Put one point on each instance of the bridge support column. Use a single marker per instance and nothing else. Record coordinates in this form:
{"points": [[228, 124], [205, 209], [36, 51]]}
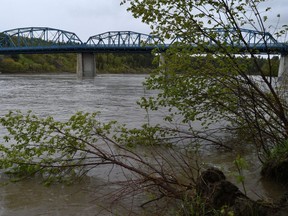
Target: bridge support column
{"points": [[161, 59], [162, 62], [86, 65], [283, 70]]}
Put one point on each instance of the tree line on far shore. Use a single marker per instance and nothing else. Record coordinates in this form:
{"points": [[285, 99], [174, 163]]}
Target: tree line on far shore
{"points": [[110, 63], [105, 63]]}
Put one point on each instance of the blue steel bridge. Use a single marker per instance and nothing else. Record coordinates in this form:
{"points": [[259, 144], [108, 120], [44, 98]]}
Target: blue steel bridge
{"points": [[36, 40]]}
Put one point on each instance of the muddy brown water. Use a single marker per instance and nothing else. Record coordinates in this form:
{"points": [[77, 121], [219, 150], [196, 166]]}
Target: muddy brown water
{"points": [[115, 96]]}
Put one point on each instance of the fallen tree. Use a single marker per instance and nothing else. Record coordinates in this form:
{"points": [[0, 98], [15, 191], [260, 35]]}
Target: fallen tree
{"points": [[203, 80], [66, 151]]}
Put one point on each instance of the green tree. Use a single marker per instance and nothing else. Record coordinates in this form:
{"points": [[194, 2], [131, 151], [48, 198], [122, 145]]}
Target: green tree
{"points": [[38, 63], [124, 63], [216, 91], [217, 88]]}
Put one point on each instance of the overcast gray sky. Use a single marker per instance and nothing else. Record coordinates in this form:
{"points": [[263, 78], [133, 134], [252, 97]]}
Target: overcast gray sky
{"points": [[87, 17], [84, 17]]}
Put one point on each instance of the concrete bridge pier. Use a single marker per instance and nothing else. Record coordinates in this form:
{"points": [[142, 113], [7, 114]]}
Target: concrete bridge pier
{"points": [[161, 59], [162, 62], [86, 65], [283, 70]]}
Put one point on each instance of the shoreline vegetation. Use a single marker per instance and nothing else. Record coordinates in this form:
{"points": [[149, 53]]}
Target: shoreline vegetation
{"points": [[199, 89], [105, 63], [109, 63]]}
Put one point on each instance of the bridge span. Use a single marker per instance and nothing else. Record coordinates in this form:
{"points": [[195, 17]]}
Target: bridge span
{"points": [[37, 40]]}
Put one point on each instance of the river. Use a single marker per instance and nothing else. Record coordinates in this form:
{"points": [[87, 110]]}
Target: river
{"points": [[115, 96]]}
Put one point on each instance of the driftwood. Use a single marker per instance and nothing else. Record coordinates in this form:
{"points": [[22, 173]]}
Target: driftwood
{"points": [[218, 193], [276, 170]]}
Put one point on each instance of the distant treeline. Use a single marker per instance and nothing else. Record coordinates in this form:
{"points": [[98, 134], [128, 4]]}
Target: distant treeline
{"points": [[269, 67], [111, 63], [105, 63], [251, 66], [124, 63], [37, 63]]}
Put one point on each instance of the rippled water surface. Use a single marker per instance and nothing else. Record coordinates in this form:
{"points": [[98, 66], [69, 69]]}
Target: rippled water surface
{"points": [[61, 96], [115, 97]]}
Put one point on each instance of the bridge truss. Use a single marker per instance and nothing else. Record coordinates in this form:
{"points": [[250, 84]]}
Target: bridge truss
{"points": [[37, 38], [240, 41], [124, 39], [50, 40]]}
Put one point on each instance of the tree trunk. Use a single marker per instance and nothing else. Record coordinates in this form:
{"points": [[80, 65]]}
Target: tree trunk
{"points": [[221, 194]]}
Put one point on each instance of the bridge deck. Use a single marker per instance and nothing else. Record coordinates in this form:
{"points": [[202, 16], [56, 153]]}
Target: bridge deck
{"points": [[34, 40]]}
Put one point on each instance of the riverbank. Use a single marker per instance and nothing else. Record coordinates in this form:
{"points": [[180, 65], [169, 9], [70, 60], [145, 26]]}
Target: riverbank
{"points": [[105, 63]]}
